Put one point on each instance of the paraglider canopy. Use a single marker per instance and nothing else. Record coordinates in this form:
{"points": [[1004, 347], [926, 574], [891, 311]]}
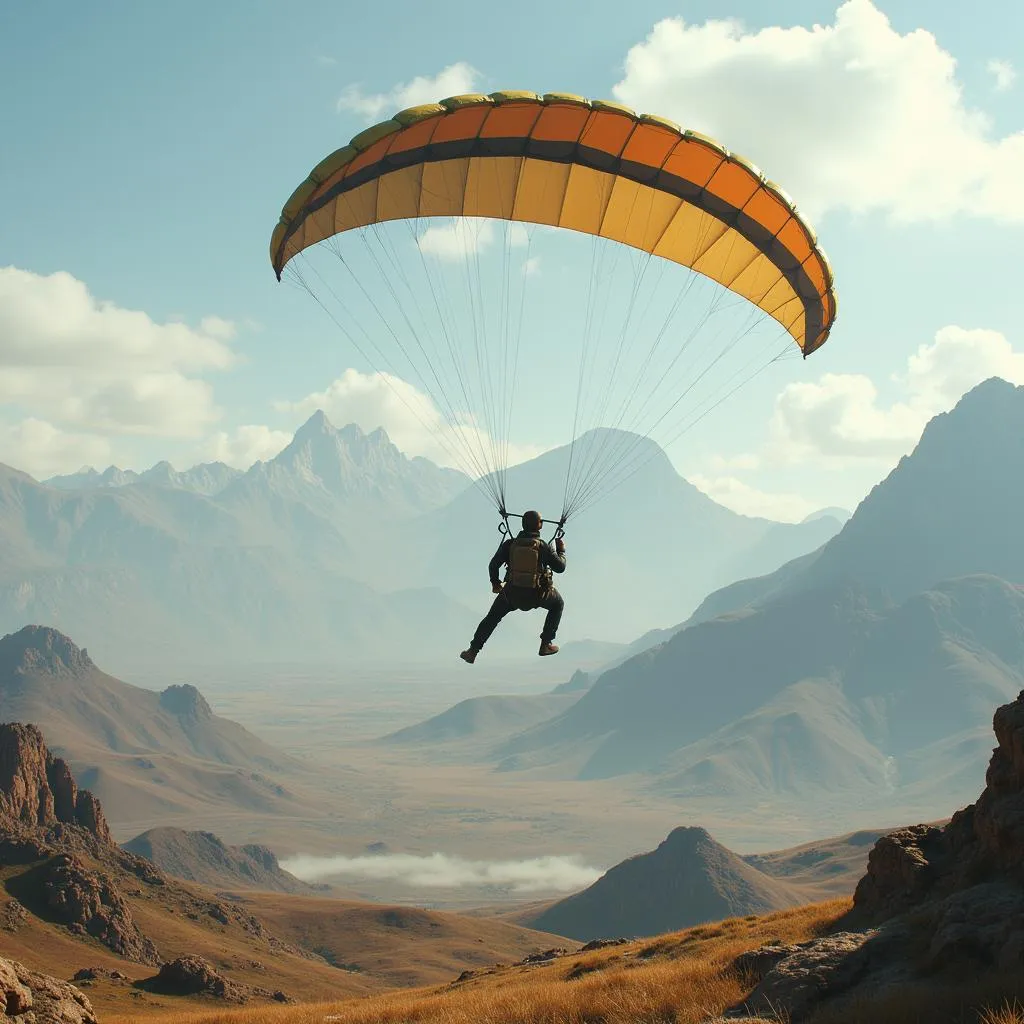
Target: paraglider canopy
{"points": [[588, 166]]}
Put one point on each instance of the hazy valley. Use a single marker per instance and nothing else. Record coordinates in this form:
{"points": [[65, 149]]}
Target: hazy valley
{"points": [[694, 774]]}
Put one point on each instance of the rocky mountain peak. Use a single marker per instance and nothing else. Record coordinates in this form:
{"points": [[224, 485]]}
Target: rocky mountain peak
{"points": [[185, 701], [685, 839], [38, 789], [37, 650], [333, 454], [950, 508], [317, 425]]}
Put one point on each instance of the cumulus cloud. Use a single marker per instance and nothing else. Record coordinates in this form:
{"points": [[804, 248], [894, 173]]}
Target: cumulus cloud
{"points": [[410, 418], [217, 327], [531, 266], [440, 871], [76, 361], [246, 445], [458, 239], [1003, 74], [42, 450], [749, 501], [852, 115], [463, 236], [454, 80], [841, 417]]}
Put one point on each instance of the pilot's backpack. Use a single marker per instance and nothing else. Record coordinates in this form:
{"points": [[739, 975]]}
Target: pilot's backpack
{"points": [[526, 570]]}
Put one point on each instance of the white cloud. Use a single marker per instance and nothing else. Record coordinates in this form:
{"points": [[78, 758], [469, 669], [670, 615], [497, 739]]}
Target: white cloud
{"points": [[462, 236], [80, 362], [455, 80], [40, 449], [749, 501], [841, 418], [246, 445], [409, 417], [457, 240], [1003, 73], [440, 871], [851, 115], [217, 327], [531, 266]]}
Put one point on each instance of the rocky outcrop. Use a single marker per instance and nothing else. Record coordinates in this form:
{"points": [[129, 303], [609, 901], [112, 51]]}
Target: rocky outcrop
{"points": [[195, 975], [798, 976], [185, 701], [62, 786], [39, 999], [87, 975], [37, 789], [12, 916], [36, 650], [89, 814], [191, 975], [25, 792], [89, 903], [933, 903], [984, 842]]}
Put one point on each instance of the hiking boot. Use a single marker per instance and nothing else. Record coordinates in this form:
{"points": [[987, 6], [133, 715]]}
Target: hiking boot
{"points": [[546, 648], [468, 655]]}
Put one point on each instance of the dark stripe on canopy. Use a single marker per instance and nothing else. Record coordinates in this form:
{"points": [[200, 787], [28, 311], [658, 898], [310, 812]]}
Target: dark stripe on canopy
{"points": [[598, 160]]}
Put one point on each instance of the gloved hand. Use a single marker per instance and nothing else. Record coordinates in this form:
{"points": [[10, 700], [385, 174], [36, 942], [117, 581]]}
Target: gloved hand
{"points": [[495, 588], [560, 545]]}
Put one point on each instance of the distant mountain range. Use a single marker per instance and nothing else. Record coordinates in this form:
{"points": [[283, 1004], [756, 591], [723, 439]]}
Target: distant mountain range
{"points": [[342, 547], [147, 755], [208, 478], [862, 674]]}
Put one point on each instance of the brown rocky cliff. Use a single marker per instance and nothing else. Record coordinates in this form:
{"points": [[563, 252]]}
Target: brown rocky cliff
{"points": [[984, 842], [995, 825], [89, 902], [934, 903], [37, 789]]}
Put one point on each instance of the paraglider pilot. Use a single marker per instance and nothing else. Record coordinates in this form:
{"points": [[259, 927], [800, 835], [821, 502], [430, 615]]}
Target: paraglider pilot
{"points": [[528, 585]]}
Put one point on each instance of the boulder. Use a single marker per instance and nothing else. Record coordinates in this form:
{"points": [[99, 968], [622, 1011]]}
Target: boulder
{"points": [[39, 999]]}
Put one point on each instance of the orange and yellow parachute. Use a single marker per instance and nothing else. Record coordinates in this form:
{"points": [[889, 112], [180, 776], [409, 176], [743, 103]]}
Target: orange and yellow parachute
{"points": [[589, 166]]}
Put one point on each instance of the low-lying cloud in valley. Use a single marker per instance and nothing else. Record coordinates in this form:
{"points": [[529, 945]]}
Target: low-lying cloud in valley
{"points": [[443, 871]]}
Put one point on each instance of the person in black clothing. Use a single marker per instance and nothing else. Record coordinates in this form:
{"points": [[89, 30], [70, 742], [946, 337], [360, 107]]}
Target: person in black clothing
{"points": [[527, 586]]}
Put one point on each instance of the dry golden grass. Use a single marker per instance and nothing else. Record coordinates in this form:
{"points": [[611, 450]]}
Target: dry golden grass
{"points": [[680, 978], [399, 946], [673, 979]]}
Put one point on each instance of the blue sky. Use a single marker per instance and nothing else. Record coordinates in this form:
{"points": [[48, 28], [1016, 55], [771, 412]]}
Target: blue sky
{"points": [[149, 148]]}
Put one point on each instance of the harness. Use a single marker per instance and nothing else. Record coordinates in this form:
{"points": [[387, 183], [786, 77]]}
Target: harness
{"points": [[526, 570]]}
